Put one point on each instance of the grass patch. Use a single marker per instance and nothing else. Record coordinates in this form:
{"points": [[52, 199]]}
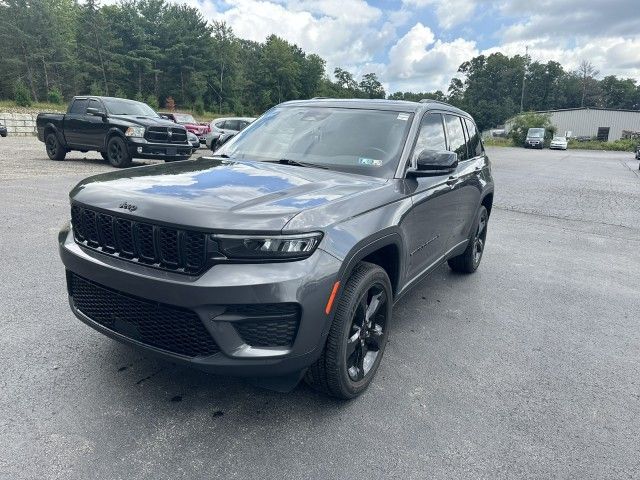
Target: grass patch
{"points": [[498, 142], [625, 145]]}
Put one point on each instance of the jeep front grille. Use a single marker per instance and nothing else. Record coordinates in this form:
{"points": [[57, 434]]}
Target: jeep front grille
{"points": [[167, 248]]}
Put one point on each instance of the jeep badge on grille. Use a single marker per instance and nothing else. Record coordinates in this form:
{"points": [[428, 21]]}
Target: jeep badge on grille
{"points": [[128, 206]]}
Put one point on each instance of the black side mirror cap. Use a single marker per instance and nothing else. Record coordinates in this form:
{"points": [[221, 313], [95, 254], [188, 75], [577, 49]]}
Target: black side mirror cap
{"points": [[435, 162], [96, 112]]}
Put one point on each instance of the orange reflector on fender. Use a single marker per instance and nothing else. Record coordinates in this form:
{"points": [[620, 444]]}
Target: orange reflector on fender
{"points": [[332, 297]]}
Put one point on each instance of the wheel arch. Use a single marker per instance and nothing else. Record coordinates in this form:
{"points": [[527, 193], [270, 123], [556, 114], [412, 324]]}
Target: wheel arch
{"points": [[113, 131], [385, 251], [487, 201]]}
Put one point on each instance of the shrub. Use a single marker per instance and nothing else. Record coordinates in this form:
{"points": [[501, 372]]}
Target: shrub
{"points": [[152, 101], [21, 94], [523, 122], [95, 89], [55, 96]]}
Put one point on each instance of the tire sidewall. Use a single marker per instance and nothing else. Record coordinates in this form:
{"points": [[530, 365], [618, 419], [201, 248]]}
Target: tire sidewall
{"points": [[55, 156], [344, 315]]}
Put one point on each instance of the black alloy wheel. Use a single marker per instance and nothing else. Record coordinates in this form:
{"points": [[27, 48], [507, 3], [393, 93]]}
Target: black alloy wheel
{"points": [[480, 237], [117, 153], [368, 329]]}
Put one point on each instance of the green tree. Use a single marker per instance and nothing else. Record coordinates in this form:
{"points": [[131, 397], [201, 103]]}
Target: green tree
{"points": [[371, 86], [21, 94]]}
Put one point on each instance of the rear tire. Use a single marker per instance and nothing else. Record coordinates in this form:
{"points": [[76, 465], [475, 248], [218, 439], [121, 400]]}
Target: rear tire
{"points": [[469, 260], [117, 153], [55, 151], [358, 335]]}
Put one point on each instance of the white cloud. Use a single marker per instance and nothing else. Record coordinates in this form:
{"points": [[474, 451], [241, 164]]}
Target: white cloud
{"points": [[449, 12], [420, 62]]}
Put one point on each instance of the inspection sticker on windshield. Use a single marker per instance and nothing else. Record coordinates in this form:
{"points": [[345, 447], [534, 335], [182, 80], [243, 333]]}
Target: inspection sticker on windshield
{"points": [[370, 162], [403, 116]]}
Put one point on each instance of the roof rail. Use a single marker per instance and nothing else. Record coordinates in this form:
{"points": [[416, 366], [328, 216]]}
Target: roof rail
{"points": [[431, 100], [320, 98]]}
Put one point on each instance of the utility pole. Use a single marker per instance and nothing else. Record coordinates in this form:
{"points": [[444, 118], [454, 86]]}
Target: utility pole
{"points": [[524, 76]]}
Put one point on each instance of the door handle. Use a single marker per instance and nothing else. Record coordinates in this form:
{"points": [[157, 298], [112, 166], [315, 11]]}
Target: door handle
{"points": [[451, 180]]}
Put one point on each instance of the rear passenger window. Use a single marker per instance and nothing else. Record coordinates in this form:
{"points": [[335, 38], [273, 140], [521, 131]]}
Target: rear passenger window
{"points": [[231, 125], [431, 134], [457, 142], [474, 145], [79, 107]]}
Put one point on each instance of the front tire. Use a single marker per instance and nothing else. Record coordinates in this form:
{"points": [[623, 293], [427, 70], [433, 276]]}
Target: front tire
{"points": [[117, 153], [469, 260], [358, 335], [55, 151]]}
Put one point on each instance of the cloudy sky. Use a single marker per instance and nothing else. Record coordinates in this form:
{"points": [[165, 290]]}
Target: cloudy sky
{"points": [[418, 44]]}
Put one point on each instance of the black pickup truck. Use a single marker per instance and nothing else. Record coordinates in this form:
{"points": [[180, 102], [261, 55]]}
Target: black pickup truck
{"points": [[119, 129]]}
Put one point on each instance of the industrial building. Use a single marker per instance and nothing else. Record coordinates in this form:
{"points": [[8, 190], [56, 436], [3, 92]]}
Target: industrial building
{"points": [[601, 123]]}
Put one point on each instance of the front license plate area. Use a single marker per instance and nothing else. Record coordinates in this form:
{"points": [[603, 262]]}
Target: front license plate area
{"points": [[172, 151]]}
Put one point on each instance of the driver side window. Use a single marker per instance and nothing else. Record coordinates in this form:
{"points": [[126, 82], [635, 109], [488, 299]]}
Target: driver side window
{"points": [[431, 135]]}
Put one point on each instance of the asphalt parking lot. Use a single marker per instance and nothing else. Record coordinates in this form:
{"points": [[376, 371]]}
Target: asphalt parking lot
{"points": [[529, 368]]}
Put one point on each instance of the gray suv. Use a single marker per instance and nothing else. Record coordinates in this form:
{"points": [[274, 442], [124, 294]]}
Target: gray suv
{"points": [[281, 257]]}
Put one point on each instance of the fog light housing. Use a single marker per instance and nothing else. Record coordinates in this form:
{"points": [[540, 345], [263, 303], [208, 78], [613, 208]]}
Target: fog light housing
{"points": [[139, 149]]}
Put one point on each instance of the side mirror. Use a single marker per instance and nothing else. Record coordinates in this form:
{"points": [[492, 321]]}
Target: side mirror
{"points": [[435, 162], [96, 112]]}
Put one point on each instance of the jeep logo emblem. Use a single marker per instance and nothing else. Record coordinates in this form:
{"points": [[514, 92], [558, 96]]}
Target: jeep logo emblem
{"points": [[128, 206]]}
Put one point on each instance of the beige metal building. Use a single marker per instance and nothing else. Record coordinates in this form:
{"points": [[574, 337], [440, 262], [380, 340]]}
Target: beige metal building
{"points": [[605, 124]]}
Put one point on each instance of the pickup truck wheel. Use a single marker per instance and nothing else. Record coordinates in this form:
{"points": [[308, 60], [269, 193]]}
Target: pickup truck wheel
{"points": [[469, 261], [117, 153], [55, 151], [358, 335]]}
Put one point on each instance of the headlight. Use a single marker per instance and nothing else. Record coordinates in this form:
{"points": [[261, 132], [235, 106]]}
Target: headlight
{"points": [[246, 247], [135, 132]]}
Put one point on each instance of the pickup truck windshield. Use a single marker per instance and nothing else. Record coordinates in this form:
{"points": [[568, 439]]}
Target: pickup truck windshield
{"points": [[128, 107], [184, 118], [360, 141]]}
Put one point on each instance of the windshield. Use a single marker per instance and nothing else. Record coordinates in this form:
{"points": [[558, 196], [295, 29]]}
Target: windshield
{"points": [[184, 118], [354, 140], [535, 133], [128, 107], [561, 139]]}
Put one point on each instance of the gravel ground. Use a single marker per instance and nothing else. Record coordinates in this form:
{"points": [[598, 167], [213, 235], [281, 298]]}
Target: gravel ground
{"points": [[529, 368]]}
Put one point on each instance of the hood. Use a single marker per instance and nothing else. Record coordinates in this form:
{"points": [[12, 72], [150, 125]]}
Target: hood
{"points": [[226, 195], [145, 121]]}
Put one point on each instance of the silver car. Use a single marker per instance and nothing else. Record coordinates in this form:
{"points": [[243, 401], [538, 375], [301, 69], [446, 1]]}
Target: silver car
{"points": [[221, 126]]}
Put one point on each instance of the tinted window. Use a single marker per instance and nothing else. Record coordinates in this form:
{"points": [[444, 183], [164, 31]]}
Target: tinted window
{"points": [[431, 134], [354, 140], [96, 104], [232, 125], [474, 146], [119, 106], [79, 107], [455, 134], [219, 124]]}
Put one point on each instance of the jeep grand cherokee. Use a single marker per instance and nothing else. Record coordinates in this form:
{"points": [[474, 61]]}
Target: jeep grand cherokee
{"points": [[281, 257]]}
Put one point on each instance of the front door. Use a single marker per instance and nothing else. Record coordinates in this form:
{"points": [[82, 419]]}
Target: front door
{"points": [[434, 204]]}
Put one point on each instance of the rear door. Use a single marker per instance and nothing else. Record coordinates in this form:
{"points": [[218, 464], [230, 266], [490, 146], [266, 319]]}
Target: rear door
{"points": [[74, 120]]}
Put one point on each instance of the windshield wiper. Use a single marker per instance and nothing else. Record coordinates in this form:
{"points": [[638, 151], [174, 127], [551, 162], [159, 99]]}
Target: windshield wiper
{"points": [[296, 163]]}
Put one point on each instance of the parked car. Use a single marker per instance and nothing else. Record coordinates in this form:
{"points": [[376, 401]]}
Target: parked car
{"points": [[225, 126], [559, 143], [638, 155], [535, 138], [282, 256], [191, 124], [194, 141], [221, 140], [119, 129], [3, 130]]}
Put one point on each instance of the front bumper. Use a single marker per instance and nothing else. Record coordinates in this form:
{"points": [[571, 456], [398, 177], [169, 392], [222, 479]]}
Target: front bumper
{"points": [[307, 283], [533, 144], [141, 148]]}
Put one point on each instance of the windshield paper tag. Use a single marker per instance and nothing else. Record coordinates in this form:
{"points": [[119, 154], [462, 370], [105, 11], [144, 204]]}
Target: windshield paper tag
{"points": [[370, 162], [403, 116]]}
